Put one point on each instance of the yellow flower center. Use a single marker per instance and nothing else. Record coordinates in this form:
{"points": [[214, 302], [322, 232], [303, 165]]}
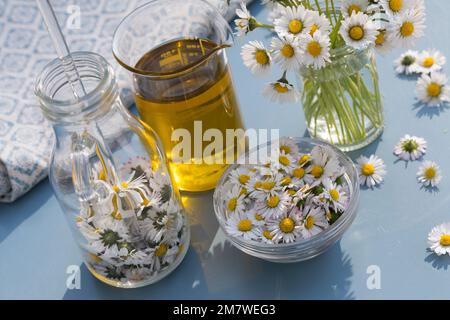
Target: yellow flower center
{"points": [[273, 201], [430, 173], [407, 29], [428, 62], [309, 223], [298, 173], [314, 28], [434, 89], [261, 57], [284, 160], [145, 202], [285, 148], [353, 8], [95, 258], [257, 185], [259, 217], [116, 188], [232, 204], [287, 225], [367, 169], [356, 33], [243, 192], [291, 192], [396, 5], [243, 178], [287, 51], [124, 184], [279, 88], [295, 26], [162, 250], [445, 240], [267, 234], [314, 48], [286, 180], [379, 40], [334, 194], [245, 225], [303, 159], [317, 171], [268, 185]]}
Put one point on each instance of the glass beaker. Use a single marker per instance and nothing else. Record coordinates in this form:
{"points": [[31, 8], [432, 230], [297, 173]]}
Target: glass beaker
{"points": [[109, 174], [174, 50]]}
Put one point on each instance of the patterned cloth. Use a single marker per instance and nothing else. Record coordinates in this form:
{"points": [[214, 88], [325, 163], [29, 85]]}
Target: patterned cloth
{"points": [[26, 138]]}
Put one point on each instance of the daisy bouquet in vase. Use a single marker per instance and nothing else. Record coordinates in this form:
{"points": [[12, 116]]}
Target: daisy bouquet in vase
{"points": [[331, 45]]}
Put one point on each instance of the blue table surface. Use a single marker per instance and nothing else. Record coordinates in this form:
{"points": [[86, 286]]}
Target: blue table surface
{"points": [[390, 230]]}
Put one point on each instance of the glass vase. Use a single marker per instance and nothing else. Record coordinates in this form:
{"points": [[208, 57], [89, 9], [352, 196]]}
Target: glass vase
{"points": [[109, 174], [342, 101]]}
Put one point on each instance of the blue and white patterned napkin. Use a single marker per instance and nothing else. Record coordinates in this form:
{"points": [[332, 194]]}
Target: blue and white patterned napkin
{"points": [[25, 137]]}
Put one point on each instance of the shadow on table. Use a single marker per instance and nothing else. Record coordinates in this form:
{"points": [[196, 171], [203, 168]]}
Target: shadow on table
{"points": [[214, 269], [438, 262], [13, 214]]}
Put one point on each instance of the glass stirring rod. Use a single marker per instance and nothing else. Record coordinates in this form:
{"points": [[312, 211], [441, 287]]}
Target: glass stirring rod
{"points": [[61, 47]]}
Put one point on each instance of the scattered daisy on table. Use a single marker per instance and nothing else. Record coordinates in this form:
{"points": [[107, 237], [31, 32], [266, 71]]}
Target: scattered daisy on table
{"points": [[433, 90], [439, 239], [371, 170], [407, 63], [410, 148], [429, 174]]}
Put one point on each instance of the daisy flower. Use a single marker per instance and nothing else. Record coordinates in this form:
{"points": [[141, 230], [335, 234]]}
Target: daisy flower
{"points": [[297, 175], [256, 218], [371, 170], [281, 91], [408, 27], [260, 188], [383, 41], [314, 222], [288, 145], [433, 89], [246, 22], [273, 205], [319, 22], [286, 161], [429, 174], [241, 176], [430, 61], [439, 239], [323, 165], [410, 148], [348, 7], [358, 31], [286, 53], [407, 63], [266, 236], [294, 21], [396, 7], [285, 228], [235, 200], [240, 225], [335, 194], [256, 57], [315, 49]]}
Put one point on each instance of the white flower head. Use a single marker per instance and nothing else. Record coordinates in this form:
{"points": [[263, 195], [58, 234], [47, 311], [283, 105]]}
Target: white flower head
{"points": [[315, 49], [407, 28], [348, 7], [286, 161], [371, 170], [235, 200], [256, 57], [288, 145], [407, 63], [314, 221], [429, 174], [241, 176], [433, 89], [273, 205], [323, 165], [281, 91], [241, 225], [335, 194], [431, 61], [319, 22], [397, 7], [358, 31], [261, 187], [410, 148], [285, 228], [439, 239], [245, 20], [286, 53], [293, 21], [383, 41]]}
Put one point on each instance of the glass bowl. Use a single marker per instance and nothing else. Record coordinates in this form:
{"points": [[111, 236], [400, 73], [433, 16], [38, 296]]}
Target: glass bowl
{"points": [[302, 249]]}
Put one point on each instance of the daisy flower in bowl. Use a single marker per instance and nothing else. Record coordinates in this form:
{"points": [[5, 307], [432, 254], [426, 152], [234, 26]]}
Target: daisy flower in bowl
{"points": [[407, 63], [241, 225], [358, 31], [432, 90], [429, 174], [430, 61], [410, 148], [371, 170], [439, 239]]}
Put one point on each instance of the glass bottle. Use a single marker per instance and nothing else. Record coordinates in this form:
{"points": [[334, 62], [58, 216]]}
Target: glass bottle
{"points": [[109, 174]]}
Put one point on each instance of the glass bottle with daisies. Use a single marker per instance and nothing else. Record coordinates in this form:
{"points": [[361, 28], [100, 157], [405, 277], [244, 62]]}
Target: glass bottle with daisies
{"points": [[330, 45]]}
